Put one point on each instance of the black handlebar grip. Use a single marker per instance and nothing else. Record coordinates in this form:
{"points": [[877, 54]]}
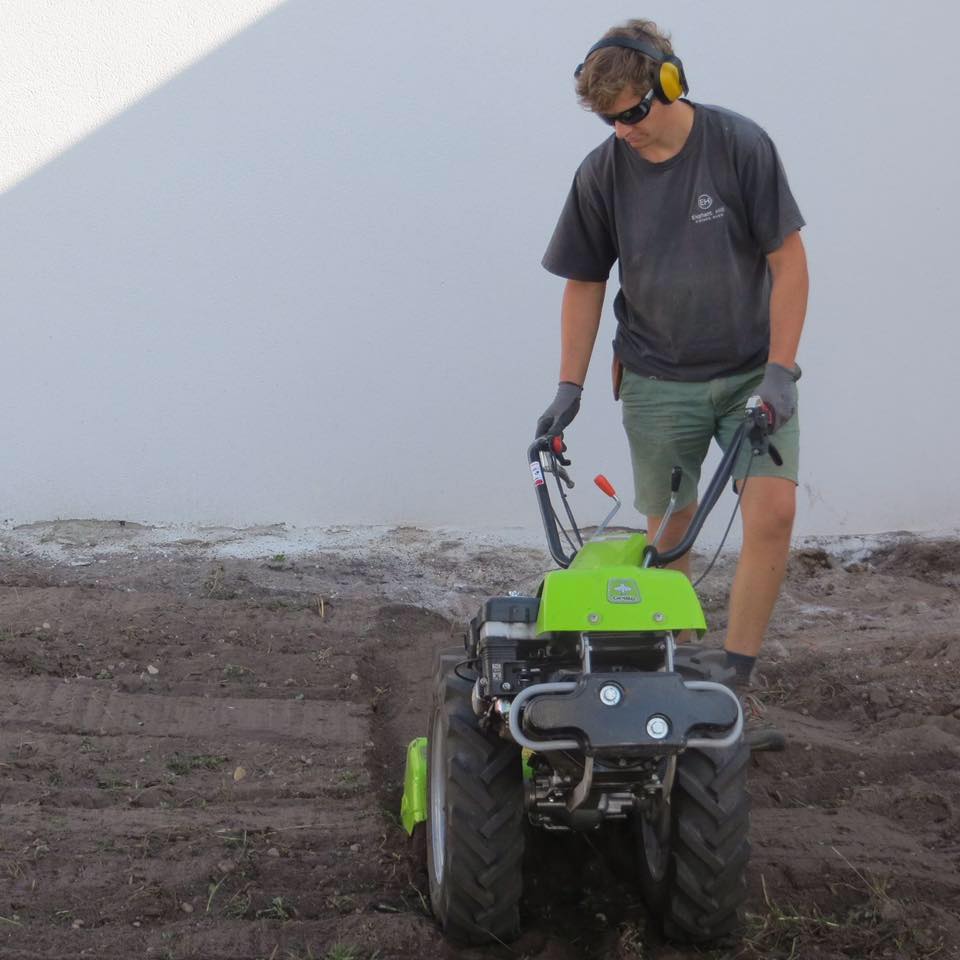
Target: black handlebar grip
{"points": [[775, 455], [676, 476]]}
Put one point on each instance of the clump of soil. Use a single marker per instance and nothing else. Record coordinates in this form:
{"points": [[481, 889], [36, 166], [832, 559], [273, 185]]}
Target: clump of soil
{"points": [[201, 756], [935, 560]]}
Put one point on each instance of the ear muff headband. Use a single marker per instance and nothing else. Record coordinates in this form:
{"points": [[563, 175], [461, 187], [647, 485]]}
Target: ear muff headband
{"points": [[670, 82]]}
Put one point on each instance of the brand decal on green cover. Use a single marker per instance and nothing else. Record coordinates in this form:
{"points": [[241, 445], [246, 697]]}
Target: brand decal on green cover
{"points": [[623, 590]]}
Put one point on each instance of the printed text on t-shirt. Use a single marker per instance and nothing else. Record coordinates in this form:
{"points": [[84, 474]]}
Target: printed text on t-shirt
{"points": [[708, 211]]}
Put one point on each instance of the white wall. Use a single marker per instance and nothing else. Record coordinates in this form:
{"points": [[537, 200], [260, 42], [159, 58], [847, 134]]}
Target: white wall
{"points": [[66, 68], [280, 261]]}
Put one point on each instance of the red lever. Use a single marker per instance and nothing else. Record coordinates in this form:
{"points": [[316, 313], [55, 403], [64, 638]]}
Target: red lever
{"points": [[557, 444], [769, 414], [605, 485]]}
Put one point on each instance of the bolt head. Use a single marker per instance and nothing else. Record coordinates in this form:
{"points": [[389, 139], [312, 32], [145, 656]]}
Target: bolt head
{"points": [[593, 617], [657, 727], [658, 618], [610, 694]]}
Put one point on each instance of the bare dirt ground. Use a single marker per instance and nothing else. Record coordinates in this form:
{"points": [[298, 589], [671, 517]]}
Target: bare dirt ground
{"points": [[201, 755]]}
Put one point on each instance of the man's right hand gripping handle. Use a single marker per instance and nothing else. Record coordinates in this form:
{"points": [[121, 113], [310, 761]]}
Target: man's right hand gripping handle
{"points": [[555, 419]]}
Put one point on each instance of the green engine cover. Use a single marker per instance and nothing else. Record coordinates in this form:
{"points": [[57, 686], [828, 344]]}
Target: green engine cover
{"points": [[606, 590]]}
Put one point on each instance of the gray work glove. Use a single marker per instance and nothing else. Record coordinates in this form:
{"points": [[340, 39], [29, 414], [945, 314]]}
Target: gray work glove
{"points": [[558, 415], [778, 390]]}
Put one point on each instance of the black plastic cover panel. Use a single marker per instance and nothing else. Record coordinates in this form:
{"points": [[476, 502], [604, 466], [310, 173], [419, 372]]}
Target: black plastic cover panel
{"points": [[622, 728], [510, 610]]}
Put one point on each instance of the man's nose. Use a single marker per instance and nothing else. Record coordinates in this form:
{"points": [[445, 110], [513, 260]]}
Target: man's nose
{"points": [[621, 129]]}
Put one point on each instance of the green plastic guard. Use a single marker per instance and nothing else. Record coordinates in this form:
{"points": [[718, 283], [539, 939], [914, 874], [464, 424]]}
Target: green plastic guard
{"points": [[606, 589], [413, 807]]}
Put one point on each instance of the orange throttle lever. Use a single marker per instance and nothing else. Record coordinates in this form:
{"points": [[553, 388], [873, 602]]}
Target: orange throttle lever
{"points": [[605, 485]]}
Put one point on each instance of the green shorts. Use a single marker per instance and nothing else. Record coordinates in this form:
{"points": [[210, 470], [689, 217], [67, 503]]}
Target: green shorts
{"points": [[670, 424]]}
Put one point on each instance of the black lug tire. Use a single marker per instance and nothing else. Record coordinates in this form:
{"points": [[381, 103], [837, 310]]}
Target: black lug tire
{"points": [[710, 844], [475, 890], [699, 894]]}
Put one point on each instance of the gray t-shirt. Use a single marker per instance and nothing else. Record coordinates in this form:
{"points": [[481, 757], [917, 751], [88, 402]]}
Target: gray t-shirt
{"points": [[691, 235]]}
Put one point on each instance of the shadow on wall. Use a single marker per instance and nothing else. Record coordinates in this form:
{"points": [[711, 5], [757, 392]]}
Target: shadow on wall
{"points": [[230, 303]]}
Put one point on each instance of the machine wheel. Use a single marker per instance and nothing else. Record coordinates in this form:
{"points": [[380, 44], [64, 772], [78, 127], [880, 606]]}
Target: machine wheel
{"points": [[475, 820], [693, 852]]}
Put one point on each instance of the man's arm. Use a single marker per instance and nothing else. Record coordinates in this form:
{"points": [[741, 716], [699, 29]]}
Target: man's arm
{"points": [[579, 322], [788, 299]]}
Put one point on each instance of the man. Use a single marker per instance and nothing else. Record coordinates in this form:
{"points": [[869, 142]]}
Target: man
{"points": [[693, 202]]}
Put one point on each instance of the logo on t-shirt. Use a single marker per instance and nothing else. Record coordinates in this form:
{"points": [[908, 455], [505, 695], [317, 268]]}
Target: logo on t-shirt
{"points": [[708, 210]]}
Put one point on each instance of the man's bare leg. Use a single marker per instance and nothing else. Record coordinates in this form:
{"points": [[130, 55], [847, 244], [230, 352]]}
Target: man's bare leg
{"points": [[768, 507]]}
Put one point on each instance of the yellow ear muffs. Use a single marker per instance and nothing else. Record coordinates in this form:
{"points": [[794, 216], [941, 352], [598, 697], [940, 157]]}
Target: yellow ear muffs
{"points": [[671, 82]]}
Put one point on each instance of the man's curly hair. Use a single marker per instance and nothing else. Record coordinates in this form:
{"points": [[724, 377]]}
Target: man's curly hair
{"points": [[608, 71]]}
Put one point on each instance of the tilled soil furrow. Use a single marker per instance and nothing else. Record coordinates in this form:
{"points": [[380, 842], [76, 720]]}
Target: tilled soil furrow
{"points": [[831, 888], [402, 935], [297, 819], [84, 752], [126, 793], [221, 670], [159, 757], [795, 780], [84, 707], [305, 688]]}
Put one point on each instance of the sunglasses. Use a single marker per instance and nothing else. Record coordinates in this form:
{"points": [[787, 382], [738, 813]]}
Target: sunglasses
{"points": [[634, 115]]}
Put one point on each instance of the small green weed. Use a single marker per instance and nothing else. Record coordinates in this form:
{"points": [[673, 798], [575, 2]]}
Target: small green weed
{"points": [[182, 764], [279, 603], [342, 903], [278, 910], [215, 584], [234, 671], [342, 951], [238, 906], [111, 781], [236, 841]]}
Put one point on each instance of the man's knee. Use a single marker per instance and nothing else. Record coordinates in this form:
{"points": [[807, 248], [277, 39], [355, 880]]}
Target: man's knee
{"points": [[769, 509]]}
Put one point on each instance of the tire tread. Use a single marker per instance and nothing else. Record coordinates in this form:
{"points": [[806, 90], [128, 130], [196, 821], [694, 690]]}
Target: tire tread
{"points": [[478, 901]]}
